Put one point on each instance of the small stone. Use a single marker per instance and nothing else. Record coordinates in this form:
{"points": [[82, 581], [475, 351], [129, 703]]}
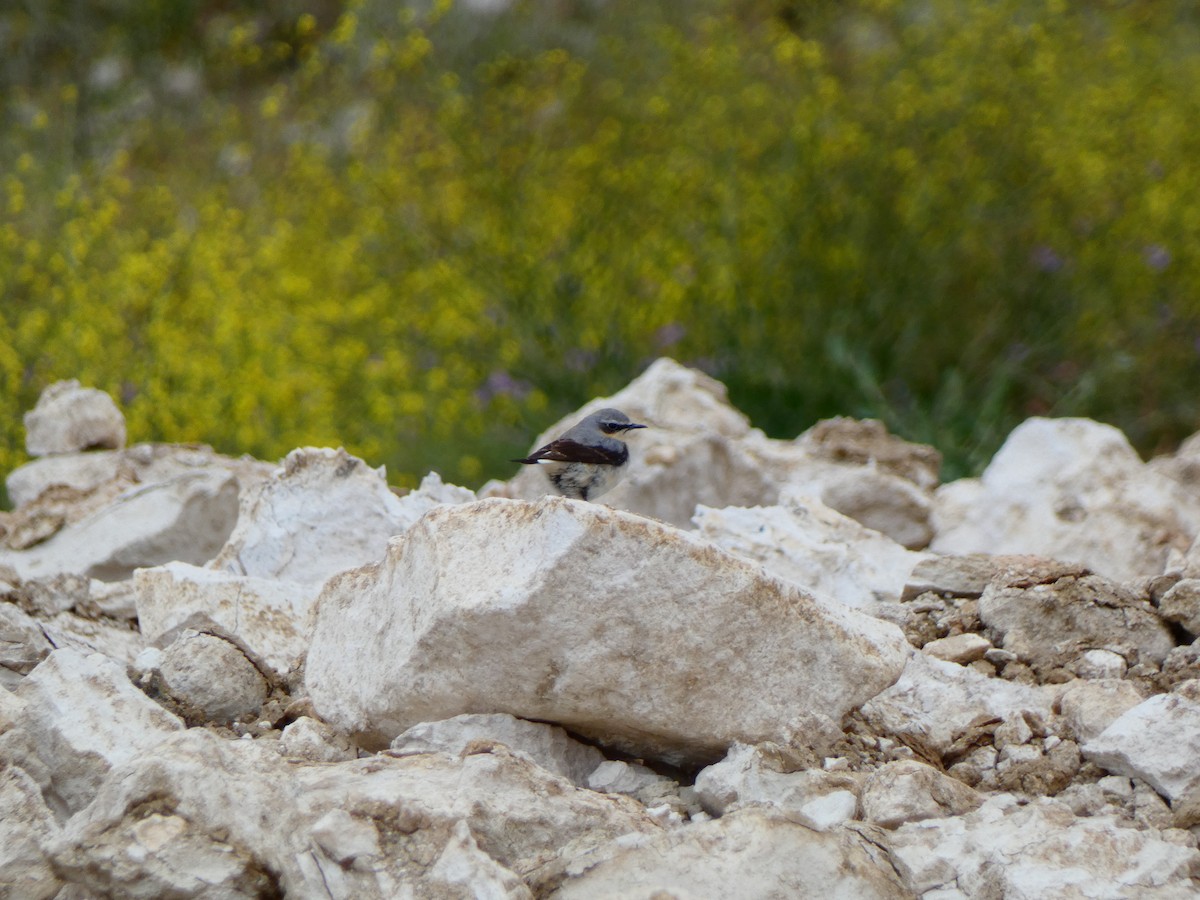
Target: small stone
{"points": [[1182, 604], [1100, 664], [211, 678], [69, 418], [959, 648], [312, 739]]}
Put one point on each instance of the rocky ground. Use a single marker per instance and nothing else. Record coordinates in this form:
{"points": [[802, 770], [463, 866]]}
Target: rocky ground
{"points": [[766, 669]]}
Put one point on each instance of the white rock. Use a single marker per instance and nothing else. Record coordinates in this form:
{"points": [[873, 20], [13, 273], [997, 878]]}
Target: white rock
{"points": [[879, 500], [23, 644], [322, 512], [1100, 665], [81, 473], [1072, 489], [811, 545], [752, 853], [959, 648], [273, 618], [91, 480], [465, 870], [1089, 707], [26, 827], [212, 679], [85, 717], [547, 745], [187, 518], [234, 816], [1158, 741], [312, 739], [68, 418], [573, 616], [86, 635], [1028, 852], [908, 791], [616, 777], [935, 701], [745, 777]]}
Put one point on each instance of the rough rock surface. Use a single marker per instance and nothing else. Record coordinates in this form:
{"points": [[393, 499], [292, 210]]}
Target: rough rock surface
{"points": [[69, 417], [211, 679], [1158, 741], [84, 717], [1072, 489], [271, 616], [1050, 625], [812, 545], [322, 512], [444, 630], [1026, 852], [547, 745], [201, 813], [750, 853], [187, 518], [908, 791], [762, 776]]}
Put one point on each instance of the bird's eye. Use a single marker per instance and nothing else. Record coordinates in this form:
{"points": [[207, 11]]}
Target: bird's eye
{"points": [[610, 427]]}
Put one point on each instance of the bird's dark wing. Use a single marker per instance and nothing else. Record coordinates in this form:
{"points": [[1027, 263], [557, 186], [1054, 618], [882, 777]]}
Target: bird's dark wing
{"points": [[567, 450]]}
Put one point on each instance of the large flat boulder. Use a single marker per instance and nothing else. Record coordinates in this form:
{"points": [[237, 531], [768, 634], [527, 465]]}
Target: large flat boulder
{"points": [[617, 627]]}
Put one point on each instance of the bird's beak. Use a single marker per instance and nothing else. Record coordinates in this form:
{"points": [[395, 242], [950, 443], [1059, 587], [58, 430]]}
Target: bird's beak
{"points": [[631, 426]]}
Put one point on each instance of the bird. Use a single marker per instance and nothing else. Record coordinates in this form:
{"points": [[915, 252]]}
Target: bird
{"points": [[586, 460]]}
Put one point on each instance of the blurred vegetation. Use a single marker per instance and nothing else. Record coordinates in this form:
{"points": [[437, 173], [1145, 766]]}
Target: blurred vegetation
{"points": [[425, 231]]}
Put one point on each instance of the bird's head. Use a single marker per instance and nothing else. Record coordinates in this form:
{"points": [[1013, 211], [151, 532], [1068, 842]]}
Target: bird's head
{"points": [[613, 421]]}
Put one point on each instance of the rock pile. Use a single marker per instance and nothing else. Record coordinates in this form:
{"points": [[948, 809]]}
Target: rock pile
{"points": [[768, 669]]}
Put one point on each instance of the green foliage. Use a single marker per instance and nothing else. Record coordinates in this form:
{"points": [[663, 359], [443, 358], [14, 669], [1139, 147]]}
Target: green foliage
{"points": [[423, 233]]}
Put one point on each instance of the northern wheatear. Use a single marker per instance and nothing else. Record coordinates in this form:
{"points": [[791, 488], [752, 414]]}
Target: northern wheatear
{"points": [[586, 460]]}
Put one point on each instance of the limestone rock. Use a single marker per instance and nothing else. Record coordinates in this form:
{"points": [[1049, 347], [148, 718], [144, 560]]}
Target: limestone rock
{"points": [[1158, 741], [573, 616], [1050, 625], [1072, 489], [880, 501], [115, 640], [934, 704], [312, 739], [1090, 706], [547, 745], [752, 853], [26, 827], [811, 545], [68, 418], [200, 813], [75, 485], [1182, 604], [187, 517], [958, 648], [23, 645], [749, 777], [1005, 849], [85, 717], [908, 791], [270, 616], [211, 680]]}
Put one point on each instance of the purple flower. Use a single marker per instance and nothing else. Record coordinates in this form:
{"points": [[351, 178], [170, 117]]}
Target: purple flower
{"points": [[669, 335], [1156, 256], [1045, 259], [502, 384]]}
